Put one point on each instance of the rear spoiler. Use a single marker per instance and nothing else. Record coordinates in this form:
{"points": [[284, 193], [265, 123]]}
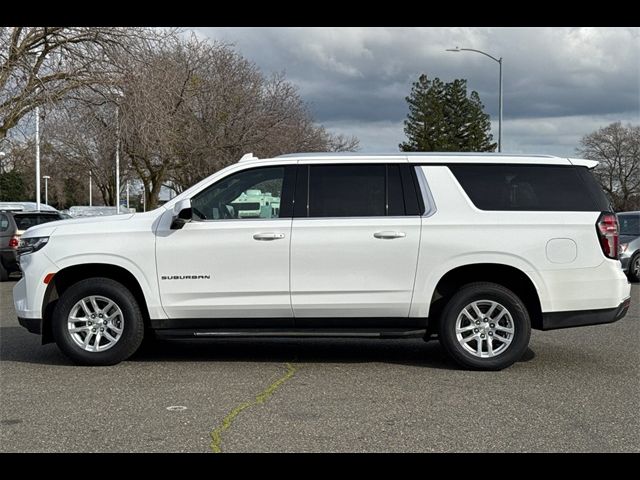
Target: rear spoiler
{"points": [[590, 164]]}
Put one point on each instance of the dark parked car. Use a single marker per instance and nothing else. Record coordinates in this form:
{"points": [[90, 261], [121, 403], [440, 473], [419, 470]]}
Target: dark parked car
{"points": [[630, 244], [12, 226]]}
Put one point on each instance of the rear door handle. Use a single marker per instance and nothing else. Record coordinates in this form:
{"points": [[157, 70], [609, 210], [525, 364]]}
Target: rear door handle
{"points": [[389, 235], [268, 236]]}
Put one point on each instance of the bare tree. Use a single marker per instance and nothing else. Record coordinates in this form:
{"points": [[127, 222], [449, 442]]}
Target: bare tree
{"points": [[40, 65], [617, 148], [186, 108], [82, 138]]}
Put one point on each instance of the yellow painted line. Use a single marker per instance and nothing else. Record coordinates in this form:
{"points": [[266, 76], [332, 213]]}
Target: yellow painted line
{"points": [[262, 397]]}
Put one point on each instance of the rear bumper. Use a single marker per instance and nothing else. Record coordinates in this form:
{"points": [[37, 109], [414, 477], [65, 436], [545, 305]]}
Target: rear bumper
{"points": [[34, 325], [581, 318], [9, 259]]}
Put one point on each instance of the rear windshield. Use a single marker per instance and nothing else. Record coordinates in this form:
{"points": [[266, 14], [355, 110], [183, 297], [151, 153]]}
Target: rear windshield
{"points": [[531, 187], [629, 224], [26, 220]]}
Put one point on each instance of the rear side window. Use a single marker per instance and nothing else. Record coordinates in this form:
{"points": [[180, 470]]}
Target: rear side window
{"points": [[531, 187], [24, 221], [362, 190], [347, 190], [4, 222]]}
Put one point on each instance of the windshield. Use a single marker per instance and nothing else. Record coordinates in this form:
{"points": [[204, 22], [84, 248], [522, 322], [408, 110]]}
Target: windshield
{"points": [[629, 224], [26, 220]]}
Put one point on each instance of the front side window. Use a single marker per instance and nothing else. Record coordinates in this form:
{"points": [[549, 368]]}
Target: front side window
{"points": [[250, 194]]}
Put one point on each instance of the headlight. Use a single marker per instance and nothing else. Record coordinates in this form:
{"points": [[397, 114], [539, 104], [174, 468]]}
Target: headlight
{"points": [[32, 244]]}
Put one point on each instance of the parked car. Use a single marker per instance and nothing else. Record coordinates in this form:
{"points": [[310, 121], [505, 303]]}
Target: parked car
{"points": [[630, 244], [477, 249], [13, 223]]}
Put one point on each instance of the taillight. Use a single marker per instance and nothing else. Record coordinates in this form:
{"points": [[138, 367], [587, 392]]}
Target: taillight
{"points": [[14, 242], [607, 228]]}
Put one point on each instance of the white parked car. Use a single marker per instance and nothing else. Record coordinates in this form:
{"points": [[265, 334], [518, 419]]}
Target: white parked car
{"points": [[475, 248]]}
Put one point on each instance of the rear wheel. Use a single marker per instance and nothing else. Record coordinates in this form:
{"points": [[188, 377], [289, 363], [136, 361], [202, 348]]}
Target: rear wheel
{"points": [[97, 321], [485, 326]]}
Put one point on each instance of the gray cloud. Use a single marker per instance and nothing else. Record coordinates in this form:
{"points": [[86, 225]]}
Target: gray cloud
{"points": [[567, 80]]}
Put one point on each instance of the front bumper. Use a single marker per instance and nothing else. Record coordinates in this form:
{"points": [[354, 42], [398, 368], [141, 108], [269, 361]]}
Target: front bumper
{"points": [[624, 260], [581, 318]]}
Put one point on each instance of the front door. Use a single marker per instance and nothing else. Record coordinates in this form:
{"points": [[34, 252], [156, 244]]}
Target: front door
{"points": [[354, 247], [232, 260]]}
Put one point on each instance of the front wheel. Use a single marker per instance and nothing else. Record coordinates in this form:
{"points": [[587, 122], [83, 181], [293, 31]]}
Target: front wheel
{"points": [[97, 321], [634, 268], [485, 326]]}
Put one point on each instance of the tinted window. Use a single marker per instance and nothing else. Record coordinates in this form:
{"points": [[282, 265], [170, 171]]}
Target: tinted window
{"points": [[248, 194], [531, 187], [26, 220], [354, 191], [629, 224], [395, 194], [4, 222]]}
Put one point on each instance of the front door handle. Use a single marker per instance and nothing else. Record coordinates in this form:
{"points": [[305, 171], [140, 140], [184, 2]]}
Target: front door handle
{"points": [[268, 236], [389, 235]]}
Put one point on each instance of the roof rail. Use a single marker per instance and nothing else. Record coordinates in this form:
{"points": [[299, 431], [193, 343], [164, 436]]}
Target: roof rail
{"points": [[248, 156]]}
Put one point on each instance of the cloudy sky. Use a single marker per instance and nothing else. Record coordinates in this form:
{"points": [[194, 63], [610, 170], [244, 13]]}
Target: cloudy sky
{"points": [[559, 83]]}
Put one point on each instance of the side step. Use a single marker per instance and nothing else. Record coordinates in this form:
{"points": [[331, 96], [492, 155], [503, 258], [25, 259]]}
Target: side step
{"points": [[291, 332]]}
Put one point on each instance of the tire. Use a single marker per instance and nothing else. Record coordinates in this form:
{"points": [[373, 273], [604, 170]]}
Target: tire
{"points": [[4, 274], [125, 316], [634, 273], [507, 347]]}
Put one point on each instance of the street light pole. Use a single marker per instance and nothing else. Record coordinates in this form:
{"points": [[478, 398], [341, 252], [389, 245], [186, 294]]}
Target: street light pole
{"points": [[37, 158], [499, 60], [90, 195], [117, 160], [500, 111], [127, 194], [46, 189]]}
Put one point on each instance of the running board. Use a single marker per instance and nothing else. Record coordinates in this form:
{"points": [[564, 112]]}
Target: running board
{"points": [[288, 333]]}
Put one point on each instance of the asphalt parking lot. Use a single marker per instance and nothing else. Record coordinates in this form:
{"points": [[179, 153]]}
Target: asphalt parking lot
{"points": [[576, 390]]}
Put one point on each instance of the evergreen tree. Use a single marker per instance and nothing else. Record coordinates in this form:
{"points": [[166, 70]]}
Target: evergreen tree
{"points": [[12, 187], [443, 118]]}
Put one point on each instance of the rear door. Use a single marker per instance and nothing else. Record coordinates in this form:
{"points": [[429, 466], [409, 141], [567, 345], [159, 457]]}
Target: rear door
{"points": [[354, 242]]}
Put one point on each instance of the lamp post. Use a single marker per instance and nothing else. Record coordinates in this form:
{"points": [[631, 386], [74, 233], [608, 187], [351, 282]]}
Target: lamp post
{"points": [[46, 189], [499, 60], [117, 160], [90, 195], [37, 158], [2, 155]]}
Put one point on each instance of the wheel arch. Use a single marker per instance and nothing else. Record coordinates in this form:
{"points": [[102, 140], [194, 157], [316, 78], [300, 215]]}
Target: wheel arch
{"points": [[513, 278], [68, 276]]}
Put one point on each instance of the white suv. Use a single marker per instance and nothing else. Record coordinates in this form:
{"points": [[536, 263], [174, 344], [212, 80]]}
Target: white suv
{"points": [[477, 249]]}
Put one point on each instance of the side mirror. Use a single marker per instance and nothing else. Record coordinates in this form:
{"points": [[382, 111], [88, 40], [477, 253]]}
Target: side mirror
{"points": [[182, 214]]}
